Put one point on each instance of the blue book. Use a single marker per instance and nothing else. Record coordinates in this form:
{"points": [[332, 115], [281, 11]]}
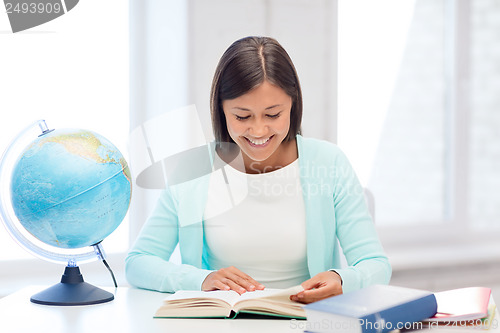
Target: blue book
{"points": [[374, 309]]}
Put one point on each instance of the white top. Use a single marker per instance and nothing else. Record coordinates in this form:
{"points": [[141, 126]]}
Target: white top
{"points": [[257, 223]]}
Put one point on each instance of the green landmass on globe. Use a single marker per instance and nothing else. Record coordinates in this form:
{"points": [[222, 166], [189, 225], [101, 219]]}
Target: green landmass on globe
{"points": [[71, 188]]}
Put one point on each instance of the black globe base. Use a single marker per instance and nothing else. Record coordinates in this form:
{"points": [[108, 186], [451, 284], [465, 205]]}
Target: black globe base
{"points": [[72, 290]]}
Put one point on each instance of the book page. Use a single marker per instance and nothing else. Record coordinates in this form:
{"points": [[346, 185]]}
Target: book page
{"points": [[193, 304], [228, 296], [462, 304], [271, 301], [271, 293], [189, 303]]}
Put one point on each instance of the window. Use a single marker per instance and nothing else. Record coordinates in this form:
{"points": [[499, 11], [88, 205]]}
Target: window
{"points": [[418, 109], [73, 72], [484, 117]]}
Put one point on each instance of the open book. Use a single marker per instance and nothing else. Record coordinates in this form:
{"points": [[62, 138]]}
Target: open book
{"points": [[227, 304], [463, 307], [462, 304]]}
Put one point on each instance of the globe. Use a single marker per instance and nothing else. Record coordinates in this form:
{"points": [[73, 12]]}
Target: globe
{"points": [[71, 188], [62, 192]]}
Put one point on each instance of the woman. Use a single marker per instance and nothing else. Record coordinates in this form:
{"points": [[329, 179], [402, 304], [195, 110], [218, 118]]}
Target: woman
{"points": [[298, 198]]}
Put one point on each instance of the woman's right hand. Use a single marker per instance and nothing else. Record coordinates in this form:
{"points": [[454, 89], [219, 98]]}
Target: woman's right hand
{"points": [[230, 278]]}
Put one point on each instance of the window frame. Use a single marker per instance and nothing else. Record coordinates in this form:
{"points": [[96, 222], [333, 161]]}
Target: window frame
{"points": [[452, 240]]}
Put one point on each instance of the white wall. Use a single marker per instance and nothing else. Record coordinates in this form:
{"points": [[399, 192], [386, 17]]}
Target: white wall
{"points": [[305, 28]]}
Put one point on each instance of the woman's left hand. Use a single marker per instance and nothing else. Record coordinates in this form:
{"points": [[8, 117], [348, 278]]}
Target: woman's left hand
{"points": [[320, 286]]}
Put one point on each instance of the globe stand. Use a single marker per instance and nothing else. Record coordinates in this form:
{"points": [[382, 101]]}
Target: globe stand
{"points": [[68, 246], [72, 290]]}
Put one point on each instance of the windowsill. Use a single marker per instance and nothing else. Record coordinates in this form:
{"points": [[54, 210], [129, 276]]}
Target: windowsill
{"points": [[427, 248], [443, 255], [408, 250]]}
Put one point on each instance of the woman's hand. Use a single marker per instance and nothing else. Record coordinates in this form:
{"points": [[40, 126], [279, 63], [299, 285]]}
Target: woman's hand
{"points": [[230, 278], [320, 286]]}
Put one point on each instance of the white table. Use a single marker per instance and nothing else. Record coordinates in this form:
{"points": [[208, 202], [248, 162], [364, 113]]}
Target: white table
{"points": [[132, 311]]}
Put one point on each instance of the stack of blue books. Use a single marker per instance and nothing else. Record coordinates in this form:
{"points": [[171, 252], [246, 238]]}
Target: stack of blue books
{"points": [[374, 309]]}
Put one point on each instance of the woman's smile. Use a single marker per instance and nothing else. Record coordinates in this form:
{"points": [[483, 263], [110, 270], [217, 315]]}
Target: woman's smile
{"points": [[259, 143]]}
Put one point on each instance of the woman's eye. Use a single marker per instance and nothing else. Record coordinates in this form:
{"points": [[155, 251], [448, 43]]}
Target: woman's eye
{"points": [[242, 118], [276, 115]]}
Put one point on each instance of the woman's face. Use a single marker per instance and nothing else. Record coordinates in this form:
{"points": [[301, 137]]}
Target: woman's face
{"points": [[258, 121]]}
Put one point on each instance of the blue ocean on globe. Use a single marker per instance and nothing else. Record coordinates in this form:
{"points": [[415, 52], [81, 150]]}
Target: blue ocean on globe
{"points": [[71, 188]]}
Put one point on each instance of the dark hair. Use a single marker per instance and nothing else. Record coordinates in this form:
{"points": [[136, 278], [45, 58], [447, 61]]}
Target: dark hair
{"points": [[245, 65]]}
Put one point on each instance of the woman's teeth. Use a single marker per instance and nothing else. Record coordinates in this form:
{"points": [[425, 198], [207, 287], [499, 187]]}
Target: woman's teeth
{"points": [[258, 142]]}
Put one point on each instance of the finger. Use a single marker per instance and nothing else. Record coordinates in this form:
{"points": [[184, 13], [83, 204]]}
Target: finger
{"points": [[304, 297], [311, 283], [249, 285], [234, 286], [218, 284], [208, 283], [244, 280], [313, 295]]}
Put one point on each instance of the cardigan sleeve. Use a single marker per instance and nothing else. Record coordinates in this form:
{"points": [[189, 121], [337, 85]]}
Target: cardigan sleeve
{"points": [[147, 264], [367, 262]]}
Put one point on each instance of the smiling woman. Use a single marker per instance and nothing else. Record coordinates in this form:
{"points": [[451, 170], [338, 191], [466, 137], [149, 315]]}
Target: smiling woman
{"points": [[256, 108], [245, 66], [258, 122], [256, 102]]}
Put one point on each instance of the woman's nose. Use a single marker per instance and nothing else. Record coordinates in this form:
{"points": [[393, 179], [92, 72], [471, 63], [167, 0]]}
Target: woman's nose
{"points": [[258, 129]]}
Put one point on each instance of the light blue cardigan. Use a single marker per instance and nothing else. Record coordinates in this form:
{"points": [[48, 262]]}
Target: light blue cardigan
{"points": [[335, 209]]}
